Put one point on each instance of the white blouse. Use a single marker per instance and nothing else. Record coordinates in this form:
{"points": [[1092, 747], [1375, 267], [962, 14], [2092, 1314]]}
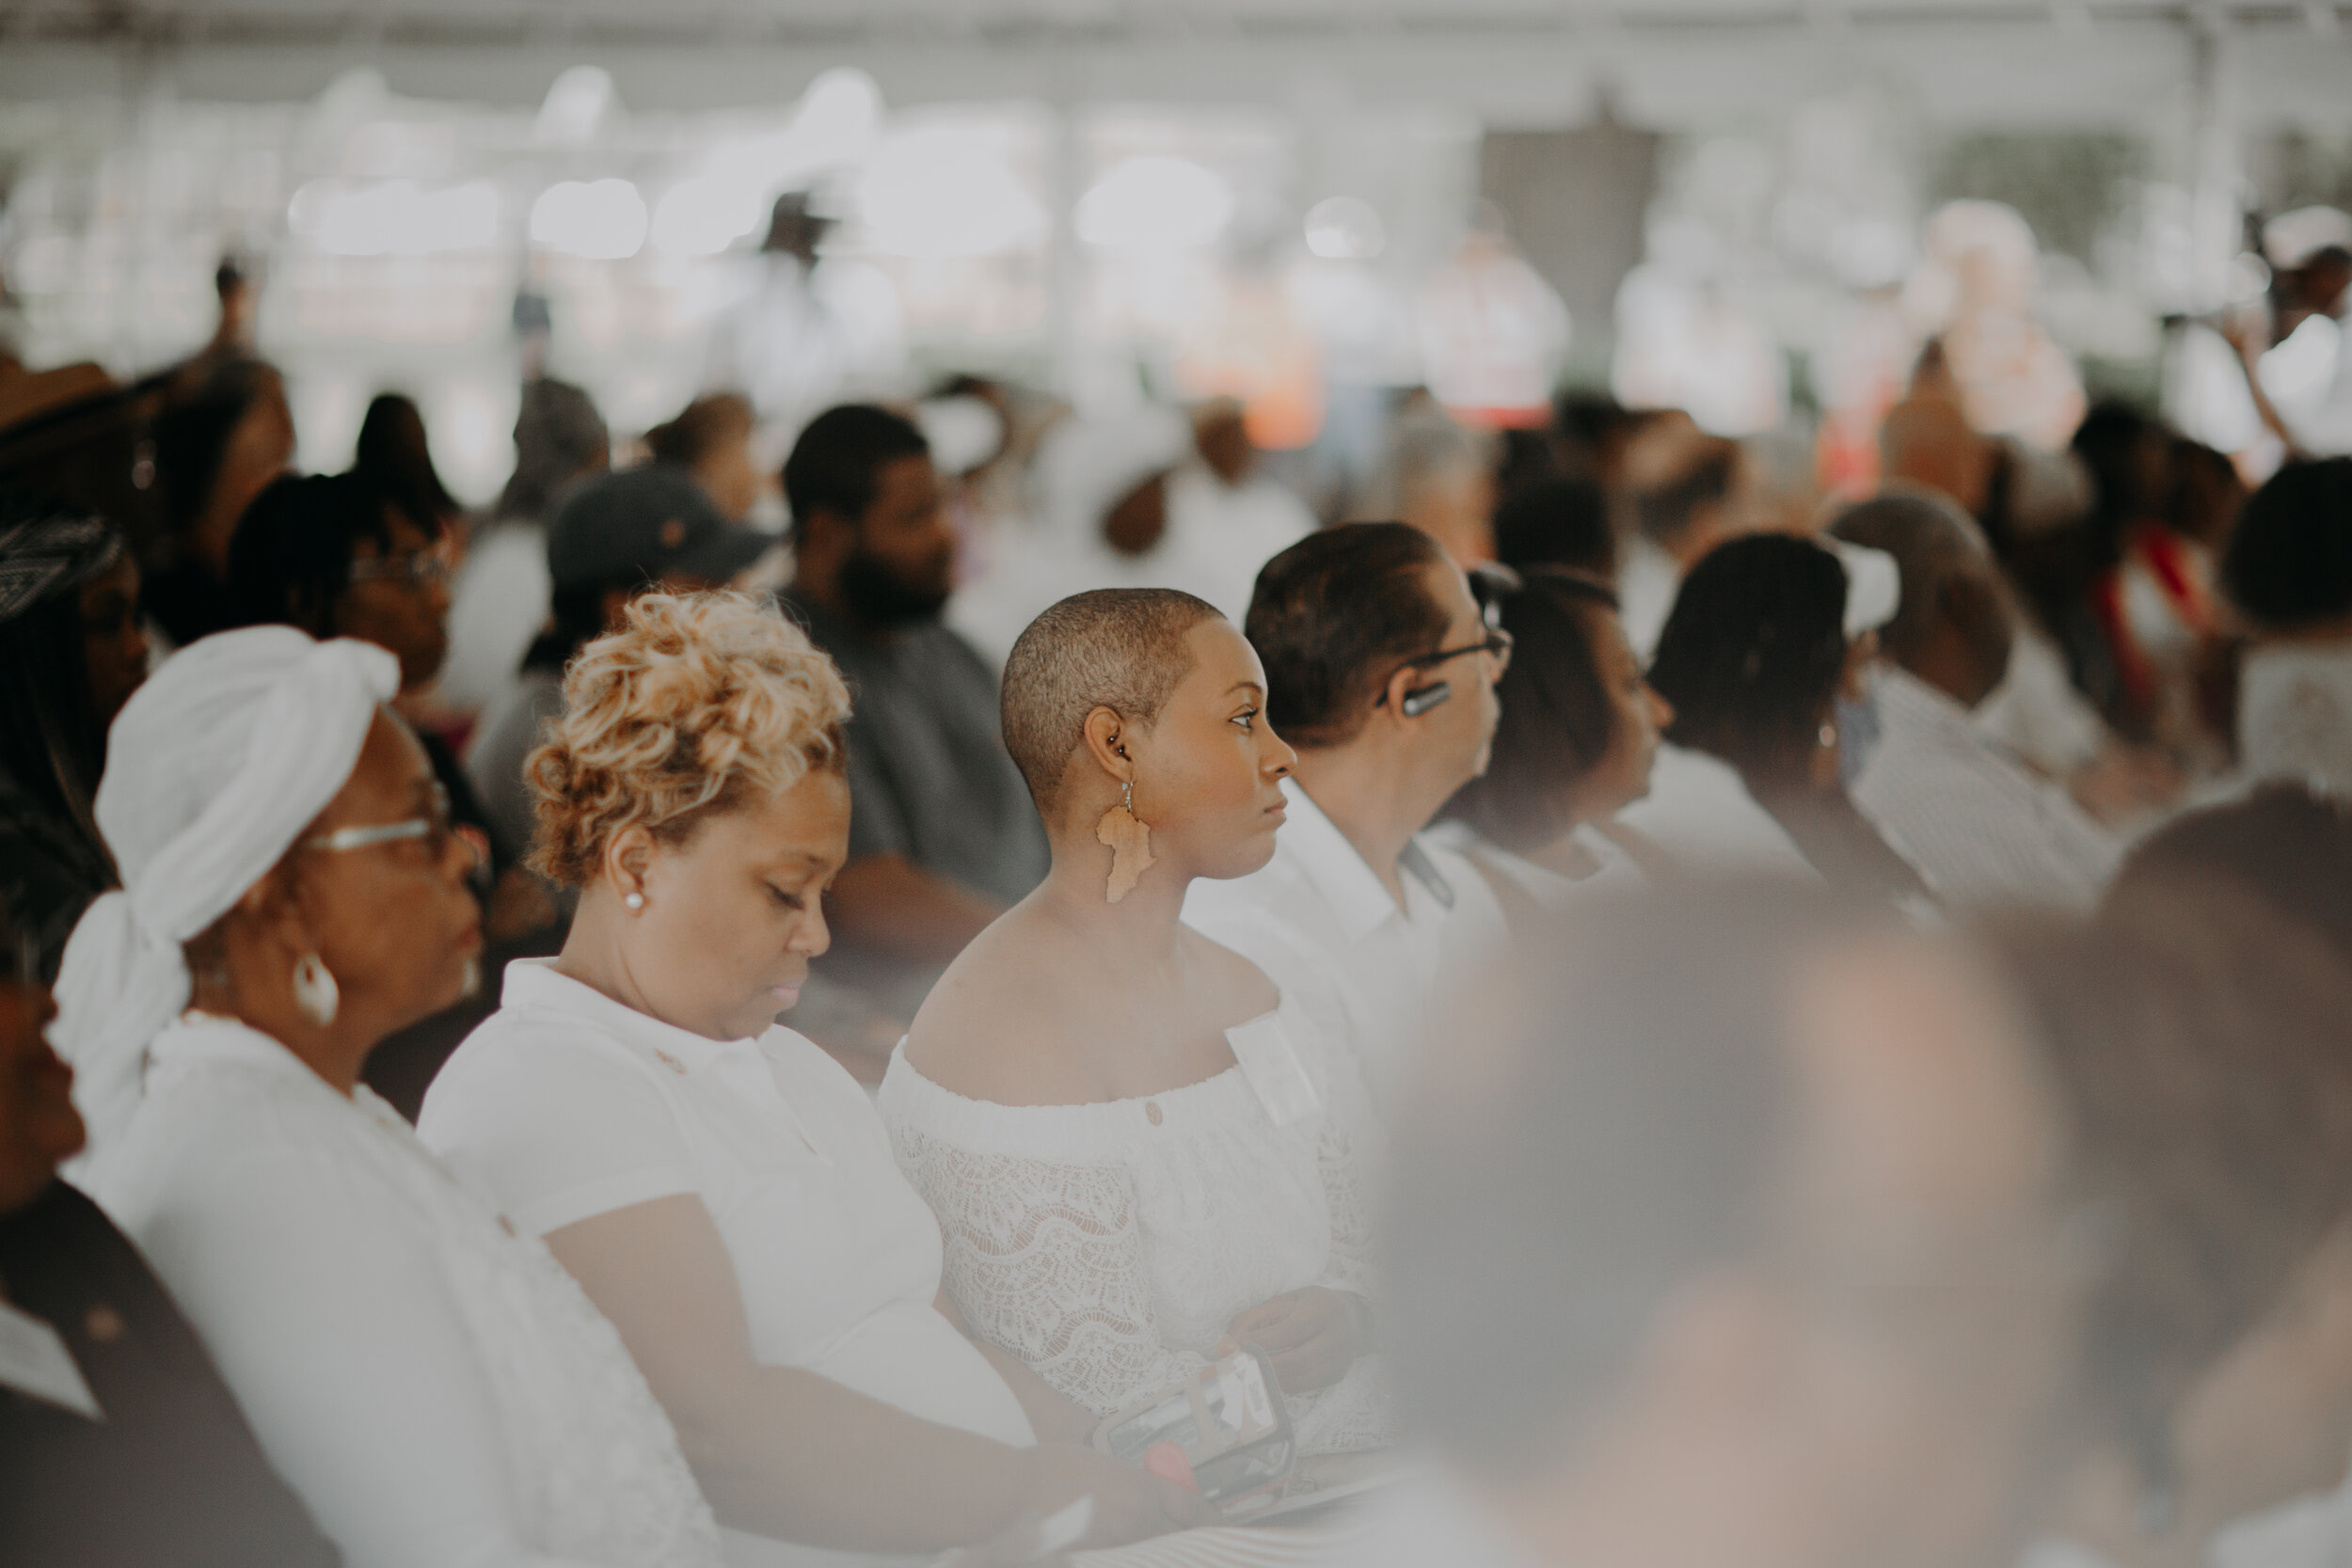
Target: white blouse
{"points": [[1109, 1244], [438, 1391], [566, 1104]]}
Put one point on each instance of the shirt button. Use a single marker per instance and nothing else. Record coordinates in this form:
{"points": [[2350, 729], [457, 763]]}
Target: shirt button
{"points": [[1151, 1111]]}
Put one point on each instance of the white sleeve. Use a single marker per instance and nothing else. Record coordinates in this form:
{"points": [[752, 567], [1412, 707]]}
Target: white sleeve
{"points": [[330, 1319], [1046, 1260]]}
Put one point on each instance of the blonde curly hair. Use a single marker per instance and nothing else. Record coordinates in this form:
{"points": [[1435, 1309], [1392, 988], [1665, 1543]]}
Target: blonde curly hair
{"points": [[700, 702]]}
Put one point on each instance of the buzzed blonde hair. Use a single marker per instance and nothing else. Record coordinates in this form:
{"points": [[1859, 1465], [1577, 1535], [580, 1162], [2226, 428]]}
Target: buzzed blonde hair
{"points": [[1118, 648], [699, 704]]}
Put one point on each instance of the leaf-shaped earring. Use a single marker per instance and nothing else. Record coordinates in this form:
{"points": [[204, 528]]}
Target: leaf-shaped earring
{"points": [[1129, 840]]}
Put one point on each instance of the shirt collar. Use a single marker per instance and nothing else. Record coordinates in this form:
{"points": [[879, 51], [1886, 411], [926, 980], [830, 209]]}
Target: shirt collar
{"points": [[197, 1037], [1906, 696], [1333, 868], [536, 983]]}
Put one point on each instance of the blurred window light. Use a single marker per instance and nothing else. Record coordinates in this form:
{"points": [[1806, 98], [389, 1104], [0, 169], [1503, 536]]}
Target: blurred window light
{"points": [[1155, 203], [836, 120], [943, 192], [603, 220], [575, 106], [705, 215], [395, 217], [1344, 229]]}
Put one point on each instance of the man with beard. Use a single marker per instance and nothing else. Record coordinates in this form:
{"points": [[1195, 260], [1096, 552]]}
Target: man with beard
{"points": [[942, 835]]}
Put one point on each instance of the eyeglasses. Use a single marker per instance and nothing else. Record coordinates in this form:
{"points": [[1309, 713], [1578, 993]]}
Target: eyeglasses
{"points": [[1496, 645], [433, 828], [423, 568]]}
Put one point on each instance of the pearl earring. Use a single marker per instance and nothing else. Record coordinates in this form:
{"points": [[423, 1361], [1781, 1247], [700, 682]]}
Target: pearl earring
{"points": [[634, 900]]}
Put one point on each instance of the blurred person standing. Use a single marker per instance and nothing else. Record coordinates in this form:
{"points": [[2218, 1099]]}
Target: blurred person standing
{"points": [[1981, 830], [1233, 516], [436, 1389], [1574, 745], [1104, 486], [217, 446], [1380, 666], [1770, 636], [2197, 1040], [711, 439], [943, 837], [106, 1395], [72, 652], [801, 341], [1679, 486], [2299, 363], [500, 601], [1735, 1231], [2288, 570]]}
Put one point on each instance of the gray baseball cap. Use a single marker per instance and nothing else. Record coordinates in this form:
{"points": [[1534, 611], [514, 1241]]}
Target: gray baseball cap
{"points": [[644, 524]]}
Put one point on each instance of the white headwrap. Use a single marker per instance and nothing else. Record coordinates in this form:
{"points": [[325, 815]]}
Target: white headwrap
{"points": [[213, 766], [1874, 586], [1089, 466]]}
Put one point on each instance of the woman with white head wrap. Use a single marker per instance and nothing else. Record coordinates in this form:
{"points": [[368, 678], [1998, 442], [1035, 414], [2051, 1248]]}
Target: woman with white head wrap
{"points": [[436, 1391]]}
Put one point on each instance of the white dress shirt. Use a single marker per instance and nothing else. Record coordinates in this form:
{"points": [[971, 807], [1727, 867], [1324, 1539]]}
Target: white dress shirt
{"points": [[1318, 920], [1979, 829], [438, 1391], [566, 1104]]}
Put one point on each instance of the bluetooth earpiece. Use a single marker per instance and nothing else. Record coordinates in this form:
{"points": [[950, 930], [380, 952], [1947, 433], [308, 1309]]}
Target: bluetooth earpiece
{"points": [[1421, 700]]}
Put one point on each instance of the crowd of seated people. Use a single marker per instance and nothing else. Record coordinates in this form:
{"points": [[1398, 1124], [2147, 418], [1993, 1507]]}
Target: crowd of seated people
{"points": [[1621, 1028]]}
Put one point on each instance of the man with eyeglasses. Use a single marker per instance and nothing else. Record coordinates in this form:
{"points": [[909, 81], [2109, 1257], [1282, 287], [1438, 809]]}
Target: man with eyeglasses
{"points": [[1381, 665]]}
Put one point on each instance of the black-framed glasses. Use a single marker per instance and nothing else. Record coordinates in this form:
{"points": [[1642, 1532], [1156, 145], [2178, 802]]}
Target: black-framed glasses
{"points": [[423, 568], [1497, 644]]}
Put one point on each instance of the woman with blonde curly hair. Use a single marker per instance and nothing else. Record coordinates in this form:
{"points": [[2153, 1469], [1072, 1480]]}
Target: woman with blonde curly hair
{"points": [[722, 1188]]}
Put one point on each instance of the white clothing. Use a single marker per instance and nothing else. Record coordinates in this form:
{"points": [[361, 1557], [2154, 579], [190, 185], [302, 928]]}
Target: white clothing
{"points": [[2037, 713], [1232, 529], [1613, 869], [1317, 919], [1699, 812], [498, 604], [213, 767], [2295, 713], [438, 1391], [1976, 827], [1109, 1244], [2308, 376], [2313, 1531], [1649, 579], [566, 1104]]}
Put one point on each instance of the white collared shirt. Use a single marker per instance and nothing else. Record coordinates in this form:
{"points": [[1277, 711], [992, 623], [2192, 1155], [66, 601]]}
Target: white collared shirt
{"points": [[2294, 714], [1699, 812], [1978, 828], [1318, 920], [437, 1389], [566, 1104]]}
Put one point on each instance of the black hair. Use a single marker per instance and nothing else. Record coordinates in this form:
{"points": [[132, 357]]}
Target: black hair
{"points": [[1332, 617], [1558, 720], [290, 560], [1752, 654], [2289, 564], [395, 457], [2112, 442], [1665, 512], [836, 463], [1557, 522], [191, 436]]}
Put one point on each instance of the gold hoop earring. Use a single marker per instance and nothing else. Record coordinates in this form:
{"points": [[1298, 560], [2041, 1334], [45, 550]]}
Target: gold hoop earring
{"points": [[1129, 840]]}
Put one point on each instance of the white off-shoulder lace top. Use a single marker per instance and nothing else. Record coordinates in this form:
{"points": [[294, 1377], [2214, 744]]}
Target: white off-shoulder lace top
{"points": [[1109, 1246]]}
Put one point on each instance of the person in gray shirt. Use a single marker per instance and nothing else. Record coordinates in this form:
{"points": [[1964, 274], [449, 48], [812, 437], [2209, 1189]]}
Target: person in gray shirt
{"points": [[943, 837]]}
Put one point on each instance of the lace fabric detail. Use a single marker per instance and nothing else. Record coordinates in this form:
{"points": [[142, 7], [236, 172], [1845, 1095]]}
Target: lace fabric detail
{"points": [[1108, 1245]]}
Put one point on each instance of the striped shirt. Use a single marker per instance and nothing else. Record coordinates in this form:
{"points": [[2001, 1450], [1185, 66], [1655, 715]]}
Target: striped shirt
{"points": [[1978, 827]]}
